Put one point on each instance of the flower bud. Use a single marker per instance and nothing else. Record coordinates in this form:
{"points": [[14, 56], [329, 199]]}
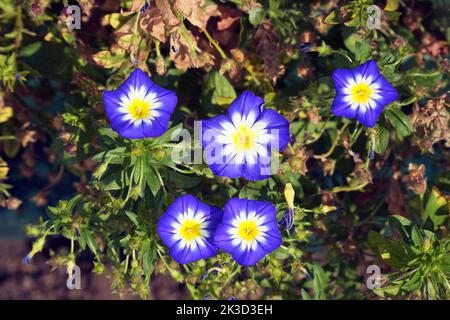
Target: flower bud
{"points": [[69, 266], [289, 195], [98, 173]]}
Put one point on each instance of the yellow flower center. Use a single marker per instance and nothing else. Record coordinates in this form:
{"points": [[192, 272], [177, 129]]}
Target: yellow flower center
{"points": [[248, 230], [139, 109], [244, 138], [361, 93], [190, 230]]}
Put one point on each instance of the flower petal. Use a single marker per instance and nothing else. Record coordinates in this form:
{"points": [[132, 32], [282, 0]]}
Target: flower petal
{"points": [[278, 126], [342, 108], [247, 251], [246, 107]]}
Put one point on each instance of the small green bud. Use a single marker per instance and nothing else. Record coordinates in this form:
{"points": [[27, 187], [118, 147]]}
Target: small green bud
{"points": [[100, 170], [427, 245]]}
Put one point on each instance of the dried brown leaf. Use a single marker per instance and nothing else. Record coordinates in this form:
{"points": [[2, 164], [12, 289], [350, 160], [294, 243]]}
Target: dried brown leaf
{"points": [[152, 22], [416, 180], [135, 6], [171, 21], [193, 11]]}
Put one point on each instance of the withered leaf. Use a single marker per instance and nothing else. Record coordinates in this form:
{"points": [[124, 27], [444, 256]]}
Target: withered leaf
{"points": [[179, 52], [193, 11], [137, 4], [152, 22], [228, 16], [171, 21]]}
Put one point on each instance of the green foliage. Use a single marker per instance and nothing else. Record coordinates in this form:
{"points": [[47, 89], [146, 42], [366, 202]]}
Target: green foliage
{"points": [[358, 199]]}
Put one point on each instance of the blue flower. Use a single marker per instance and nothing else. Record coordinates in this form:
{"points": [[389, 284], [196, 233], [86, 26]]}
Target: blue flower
{"points": [[362, 93], [27, 259], [139, 108], [145, 7], [187, 229], [240, 143], [287, 221], [248, 230], [305, 46]]}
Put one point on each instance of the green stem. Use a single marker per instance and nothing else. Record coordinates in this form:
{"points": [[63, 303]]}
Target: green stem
{"points": [[215, 44], [127, 259], [334, 145], [8, 138], [349, 188], [406, 102], [344, 54], [130, 187], [231, 276]]}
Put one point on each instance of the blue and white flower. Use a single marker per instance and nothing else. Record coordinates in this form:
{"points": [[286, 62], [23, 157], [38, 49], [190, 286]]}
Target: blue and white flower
{"points": [[248, 230], [362, 93], [139, 108], [240, 143], [187, 229]]}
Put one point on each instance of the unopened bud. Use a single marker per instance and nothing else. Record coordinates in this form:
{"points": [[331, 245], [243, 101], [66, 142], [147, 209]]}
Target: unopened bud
{"points": [[289, 195], [100, 170]]}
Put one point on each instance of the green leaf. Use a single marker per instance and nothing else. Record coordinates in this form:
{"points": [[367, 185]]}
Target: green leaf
{"points": [[409, 231], [147, 254], [437, 208], [332, 18], [397, 255], [167, 136], [388, 291], [152, 180], [221, 91], [183, 181], [363, 52], [113, 181], [382, 139], [281, 254], [82, 239], [400, 122], [72, 203], [256, 16], [320, 282], [88, 238], [125, 240], [108, 60], [133, 217], [114, 156]]}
